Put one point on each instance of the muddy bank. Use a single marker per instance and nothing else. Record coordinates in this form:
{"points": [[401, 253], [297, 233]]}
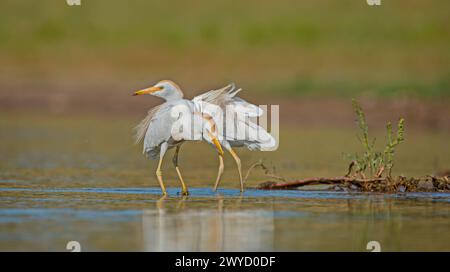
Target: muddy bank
{"points": [[301, 111]]}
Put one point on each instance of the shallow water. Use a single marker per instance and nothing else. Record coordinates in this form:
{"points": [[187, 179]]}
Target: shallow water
{"points": [[139, 219], [80, 179]]}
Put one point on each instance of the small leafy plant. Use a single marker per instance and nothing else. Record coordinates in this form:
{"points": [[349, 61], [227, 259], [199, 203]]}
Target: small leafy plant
{"points": [[377, 164], [373, 162]]}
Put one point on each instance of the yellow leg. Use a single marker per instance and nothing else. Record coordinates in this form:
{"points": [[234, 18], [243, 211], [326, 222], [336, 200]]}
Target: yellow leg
{"points": [[220, 151], [219, 174], [184, 189], [238, 163], [218, 146], [216, 143], [158, 170], [159, 176]]}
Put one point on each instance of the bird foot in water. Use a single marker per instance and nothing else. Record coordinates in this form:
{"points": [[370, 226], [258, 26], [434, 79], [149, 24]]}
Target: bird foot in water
{"points": [[184, 193]]}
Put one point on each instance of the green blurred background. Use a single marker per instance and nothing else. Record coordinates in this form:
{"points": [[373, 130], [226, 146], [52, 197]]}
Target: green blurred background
{"points": [[278, 48]]}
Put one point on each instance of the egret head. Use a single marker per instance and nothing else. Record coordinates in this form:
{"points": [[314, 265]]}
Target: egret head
{"points": [[165, 89]]}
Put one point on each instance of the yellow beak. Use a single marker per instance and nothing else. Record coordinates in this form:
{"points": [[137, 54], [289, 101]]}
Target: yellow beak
{"points": [[148, 90]]}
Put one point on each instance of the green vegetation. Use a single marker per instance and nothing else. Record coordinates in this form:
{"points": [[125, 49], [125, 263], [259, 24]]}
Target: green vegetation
{"points": [[323, 48], [227, 25], [388, 89], [375, 162]]}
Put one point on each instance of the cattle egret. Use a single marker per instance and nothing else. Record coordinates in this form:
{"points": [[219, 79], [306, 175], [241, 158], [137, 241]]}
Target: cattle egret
{"points": [[201, 119]]}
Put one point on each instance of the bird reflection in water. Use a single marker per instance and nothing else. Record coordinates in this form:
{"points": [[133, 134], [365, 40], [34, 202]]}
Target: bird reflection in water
{"points": [[172, 226]]}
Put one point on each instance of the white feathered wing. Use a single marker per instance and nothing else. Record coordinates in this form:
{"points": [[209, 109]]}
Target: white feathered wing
{"points": [[233, 116]]}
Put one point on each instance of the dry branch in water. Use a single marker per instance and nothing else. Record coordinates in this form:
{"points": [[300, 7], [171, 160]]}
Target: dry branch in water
{"points": [[270, 185], [381, 184], [376, 184]]}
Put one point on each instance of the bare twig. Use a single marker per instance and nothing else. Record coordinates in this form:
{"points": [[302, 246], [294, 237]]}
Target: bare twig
{"points": [[258, 163], [350, 168], [267, 171]]}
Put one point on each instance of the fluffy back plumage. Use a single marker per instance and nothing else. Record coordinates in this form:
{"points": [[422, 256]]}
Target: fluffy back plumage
{"points": [[142, 127], [226, 97], [218, 97]]}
